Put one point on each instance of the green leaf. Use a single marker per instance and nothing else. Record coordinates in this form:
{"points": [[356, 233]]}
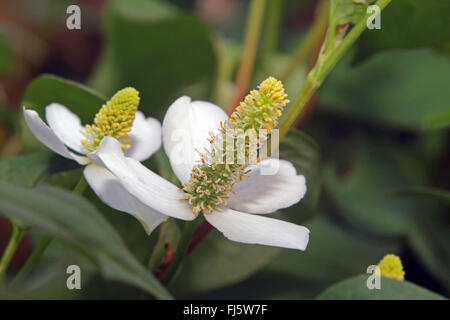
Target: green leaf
{"points": [[213, 263], [75, 221], [47, 89], [438, 120], [373, 174], [423, 192], [356, 289], [407, 24], [30, 169], [161, 52], [401, 88]]}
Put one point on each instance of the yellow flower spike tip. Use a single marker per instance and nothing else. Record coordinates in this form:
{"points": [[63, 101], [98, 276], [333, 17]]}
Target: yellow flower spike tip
{"points": [[114, 119], [213, 179], [391, 267]]}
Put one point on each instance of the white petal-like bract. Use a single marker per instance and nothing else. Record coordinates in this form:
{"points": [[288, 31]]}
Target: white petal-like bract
{"points": [[151, 189], [255, 229], [46, 135], [111, 192], [261, 193], [66, 125]]}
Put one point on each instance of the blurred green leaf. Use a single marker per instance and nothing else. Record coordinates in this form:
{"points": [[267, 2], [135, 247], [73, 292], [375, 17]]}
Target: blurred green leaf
{"points": [[401, 88], [67, 179], [74, 220], [217, 262], [161, 52], [407, 24], [7, 58], [375, 172], [46, 284], [31, 168], [356, 289], [423, 192], [47, 89]]}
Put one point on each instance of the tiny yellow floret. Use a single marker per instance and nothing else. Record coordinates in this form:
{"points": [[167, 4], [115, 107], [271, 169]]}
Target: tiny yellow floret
{"points": [[391, 267], [114, 119]]}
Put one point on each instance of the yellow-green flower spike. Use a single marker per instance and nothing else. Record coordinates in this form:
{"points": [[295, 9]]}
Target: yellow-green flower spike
{"points": [[213, 179], [262, 108], [391, 267], [114, 119]]}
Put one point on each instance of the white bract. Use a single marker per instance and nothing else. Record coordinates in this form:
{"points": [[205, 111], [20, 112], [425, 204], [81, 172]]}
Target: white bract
{"points": [[63, 135], [185, 129]]}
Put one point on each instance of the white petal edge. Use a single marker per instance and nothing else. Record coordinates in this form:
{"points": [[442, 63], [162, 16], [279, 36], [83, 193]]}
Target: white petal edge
{"points": [[46, 136], [263, 194], [111, 192], [185, 128], [66, 125], [145, 136], [151, 189], [254, 229]]}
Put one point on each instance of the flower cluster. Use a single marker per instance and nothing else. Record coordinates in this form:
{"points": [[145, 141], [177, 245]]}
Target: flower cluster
{"points": [[213, 179]]}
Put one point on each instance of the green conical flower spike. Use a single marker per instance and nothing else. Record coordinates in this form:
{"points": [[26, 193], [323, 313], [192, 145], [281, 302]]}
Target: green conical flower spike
{"points": [[391, 267], [213, 179]]}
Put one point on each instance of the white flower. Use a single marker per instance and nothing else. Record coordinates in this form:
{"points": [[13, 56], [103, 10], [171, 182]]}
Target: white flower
{"points": [[239, 220], [63, 135]]}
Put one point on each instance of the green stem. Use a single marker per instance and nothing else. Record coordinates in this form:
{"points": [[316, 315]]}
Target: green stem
{"points": [[14, 241], [272, 27], [32, 260], [45, 241], [183, 245], [323, 67], [252, 34]]}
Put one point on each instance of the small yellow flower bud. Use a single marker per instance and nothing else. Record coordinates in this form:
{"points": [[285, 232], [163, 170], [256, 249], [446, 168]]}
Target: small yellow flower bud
{"points": [[391, 267]]}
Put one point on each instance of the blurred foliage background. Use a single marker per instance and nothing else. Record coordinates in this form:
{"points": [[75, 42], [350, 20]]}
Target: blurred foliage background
{"points": [[374, 146]]}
